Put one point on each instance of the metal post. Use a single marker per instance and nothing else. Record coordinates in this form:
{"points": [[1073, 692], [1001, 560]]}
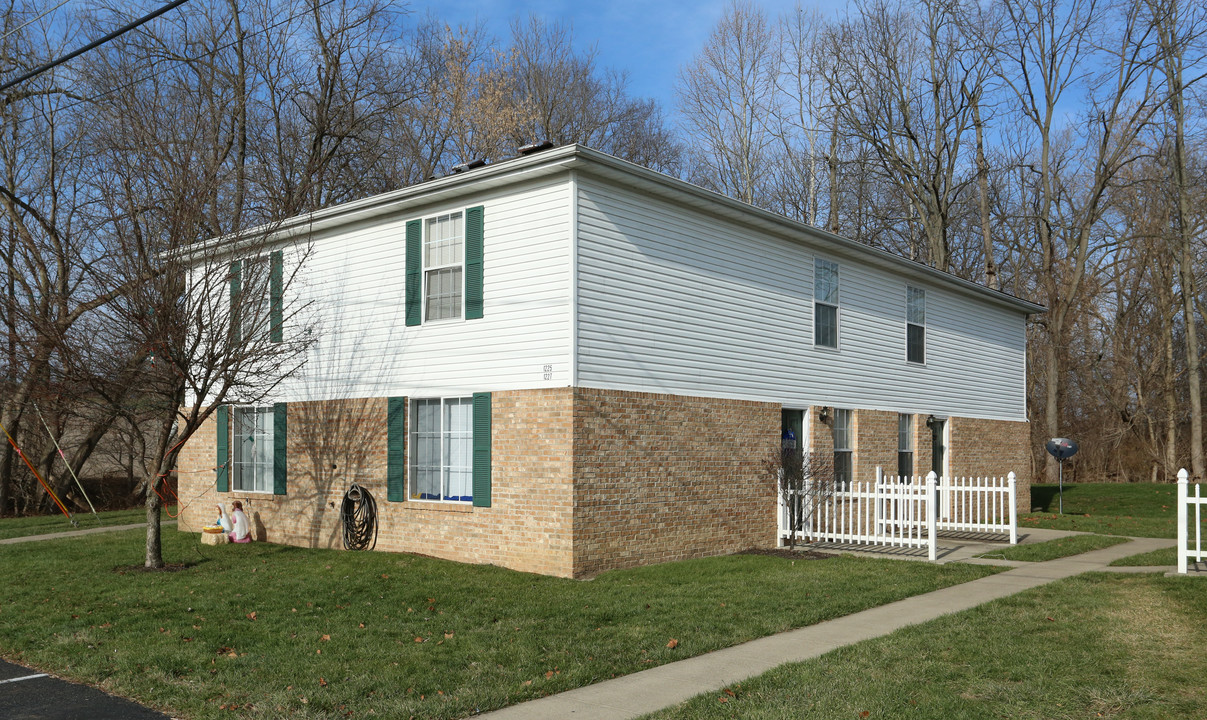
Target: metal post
{"points": [[1183, 479], [1012, 482], [932, 512], [1062, 486]]}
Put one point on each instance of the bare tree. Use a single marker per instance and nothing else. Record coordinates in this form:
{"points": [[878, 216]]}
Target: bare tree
{"points": [[804, 480], [727, 96], [1179, 27]]}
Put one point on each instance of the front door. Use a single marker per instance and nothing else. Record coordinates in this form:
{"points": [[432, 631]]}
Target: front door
{"points": [[938, 451], [938, 457]]}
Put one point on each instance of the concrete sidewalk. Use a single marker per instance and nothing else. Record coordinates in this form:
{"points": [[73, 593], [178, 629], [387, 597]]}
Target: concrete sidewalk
{"points": [[77, 533], [644, 692]]}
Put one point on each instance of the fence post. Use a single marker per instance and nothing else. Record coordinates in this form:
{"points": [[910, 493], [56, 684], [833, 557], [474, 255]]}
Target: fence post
{"points": [[878, 502], [1012, 481], [1183, 479], [932, 513]]}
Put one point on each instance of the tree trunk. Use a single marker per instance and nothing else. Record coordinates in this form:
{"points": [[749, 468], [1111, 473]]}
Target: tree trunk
{"points": [[832, 220], [982, 172]]}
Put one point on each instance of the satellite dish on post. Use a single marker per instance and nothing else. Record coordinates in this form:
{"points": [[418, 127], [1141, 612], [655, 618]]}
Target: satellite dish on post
{"points": [[1062, 449]]}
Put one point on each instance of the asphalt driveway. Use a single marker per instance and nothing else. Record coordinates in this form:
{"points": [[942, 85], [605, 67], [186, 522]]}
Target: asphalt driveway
{"points": [[29, 695]]}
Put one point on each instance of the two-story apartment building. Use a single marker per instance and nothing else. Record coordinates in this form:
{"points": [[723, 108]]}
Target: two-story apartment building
{"points": [[566, 363]]}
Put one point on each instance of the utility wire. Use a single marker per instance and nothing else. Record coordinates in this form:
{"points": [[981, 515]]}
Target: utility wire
{"points": [[31, 22], [94, 44], [194, 58]]}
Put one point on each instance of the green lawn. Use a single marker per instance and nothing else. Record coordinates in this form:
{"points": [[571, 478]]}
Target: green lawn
{"points": [[1163, 557], [45, 524], [1053, 549], [1132, 509], [277, 631], [1097, 645]]}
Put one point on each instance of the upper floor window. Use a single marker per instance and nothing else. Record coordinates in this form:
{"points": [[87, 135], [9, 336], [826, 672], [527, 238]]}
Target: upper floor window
{"points": [[915, 324], [443, 266], [825, 303]]}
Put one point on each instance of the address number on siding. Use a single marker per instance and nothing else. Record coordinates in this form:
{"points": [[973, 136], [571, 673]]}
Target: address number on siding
{"points": [[547, 371]]}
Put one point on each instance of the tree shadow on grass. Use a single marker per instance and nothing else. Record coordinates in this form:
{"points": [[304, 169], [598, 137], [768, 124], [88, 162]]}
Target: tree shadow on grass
{"points": [[1046, 498]]}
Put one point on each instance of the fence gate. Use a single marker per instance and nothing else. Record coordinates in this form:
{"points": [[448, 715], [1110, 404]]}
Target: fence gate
{"points": [[904, 511]]}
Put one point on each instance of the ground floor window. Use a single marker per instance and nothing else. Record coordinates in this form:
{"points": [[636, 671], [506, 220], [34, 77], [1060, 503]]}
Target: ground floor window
{"points": [[905, 445], [841, 428], [253, 471], [442, 449]]}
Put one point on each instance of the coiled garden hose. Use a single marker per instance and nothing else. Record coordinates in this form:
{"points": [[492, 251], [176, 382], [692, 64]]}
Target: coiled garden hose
{"points": [[359, 515]]}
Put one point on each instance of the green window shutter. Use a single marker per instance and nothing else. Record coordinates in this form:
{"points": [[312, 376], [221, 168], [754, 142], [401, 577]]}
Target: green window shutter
{"points": [[473, 263], [236, 276], [414, 288], [279, 448], [224, 452], [277, 298], [396, 449], [481, 472]]}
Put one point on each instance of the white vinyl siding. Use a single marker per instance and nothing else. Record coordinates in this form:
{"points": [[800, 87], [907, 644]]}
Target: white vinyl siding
{"points": [[354, 288], [674, 300]]}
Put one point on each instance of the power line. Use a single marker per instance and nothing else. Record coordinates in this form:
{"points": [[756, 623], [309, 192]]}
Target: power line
{"points": [[31, 22], [94, 44], [194, 58]]}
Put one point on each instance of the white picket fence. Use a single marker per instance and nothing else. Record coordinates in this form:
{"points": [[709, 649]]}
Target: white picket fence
{"points": [[906, 512], [1184, 504]]}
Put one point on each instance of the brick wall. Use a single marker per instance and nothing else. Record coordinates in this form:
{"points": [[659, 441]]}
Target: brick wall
{"points": [[583, 480], [875, 443], [993, 448], [332, 443], [662, 477]]}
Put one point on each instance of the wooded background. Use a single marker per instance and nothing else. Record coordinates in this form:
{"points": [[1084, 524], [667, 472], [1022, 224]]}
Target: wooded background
{"points": [[1053, 150]]}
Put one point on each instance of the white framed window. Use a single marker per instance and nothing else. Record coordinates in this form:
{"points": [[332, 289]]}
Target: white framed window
{"points": [[840, 428], [825, 303], [905, 445], [915, 324], [253, 441], [442, 435], [443, 266]]}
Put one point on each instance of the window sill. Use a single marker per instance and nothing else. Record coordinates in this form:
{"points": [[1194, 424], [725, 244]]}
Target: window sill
{"points": [[435, 506]]}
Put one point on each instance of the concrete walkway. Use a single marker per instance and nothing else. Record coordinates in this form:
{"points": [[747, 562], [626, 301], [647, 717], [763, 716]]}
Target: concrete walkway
{"points": [[77, 533], [644, 692]]}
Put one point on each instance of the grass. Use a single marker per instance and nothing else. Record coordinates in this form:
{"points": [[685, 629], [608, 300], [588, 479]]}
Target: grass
{"points": [[275, 631], [1097, 645], [1053, 549], [1135, 509], [1162, 557], [46, 524]]}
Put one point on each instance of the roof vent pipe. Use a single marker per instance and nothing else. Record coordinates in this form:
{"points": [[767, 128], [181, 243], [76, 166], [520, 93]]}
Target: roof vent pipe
{"points": [[535, 147], [468, 165]]}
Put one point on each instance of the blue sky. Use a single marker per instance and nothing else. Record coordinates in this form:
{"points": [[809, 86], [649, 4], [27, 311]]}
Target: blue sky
{"points": [[650, 40]]}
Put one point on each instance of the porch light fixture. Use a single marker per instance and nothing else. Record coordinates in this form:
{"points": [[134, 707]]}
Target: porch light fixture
{"points": [[823, 414], [930, 421]]}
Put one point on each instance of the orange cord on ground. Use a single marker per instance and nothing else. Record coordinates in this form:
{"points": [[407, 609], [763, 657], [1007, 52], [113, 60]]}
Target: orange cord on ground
{"points": [[28, 464]]}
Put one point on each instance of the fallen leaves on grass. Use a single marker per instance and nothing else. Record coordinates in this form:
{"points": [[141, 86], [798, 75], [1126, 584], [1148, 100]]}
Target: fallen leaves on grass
{"points": [[673, 644]]}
